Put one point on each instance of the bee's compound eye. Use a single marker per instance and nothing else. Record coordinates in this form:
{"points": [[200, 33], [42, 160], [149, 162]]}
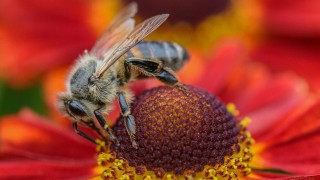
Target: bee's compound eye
{"points": [[76, 108]]}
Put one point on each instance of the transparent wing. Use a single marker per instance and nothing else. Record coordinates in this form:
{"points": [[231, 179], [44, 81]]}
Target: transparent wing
{"points": [[120, 48], [121, 26], [110, 38]]}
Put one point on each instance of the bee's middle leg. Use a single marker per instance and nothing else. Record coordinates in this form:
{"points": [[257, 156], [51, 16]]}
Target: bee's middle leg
{"points": [[128, 118]]}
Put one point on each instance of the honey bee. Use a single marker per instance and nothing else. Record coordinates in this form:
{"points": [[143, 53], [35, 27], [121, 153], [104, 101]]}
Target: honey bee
{"points": [[118, 57]]}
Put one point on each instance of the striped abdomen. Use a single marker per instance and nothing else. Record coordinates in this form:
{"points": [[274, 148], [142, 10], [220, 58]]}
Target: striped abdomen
{"points": [[172, 55]]}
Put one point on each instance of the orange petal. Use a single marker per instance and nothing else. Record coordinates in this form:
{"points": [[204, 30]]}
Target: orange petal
{"points": [[193, 71], [54, 83]]}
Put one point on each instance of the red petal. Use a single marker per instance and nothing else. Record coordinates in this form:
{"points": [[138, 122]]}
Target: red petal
{"points": [[227, 56], [304, 121], [265, 97], [271, 104], [265, 176], [299, 56], [307, 177], [43, 169], [300, 155], [292, 17], [42, 35], [29, 136]]}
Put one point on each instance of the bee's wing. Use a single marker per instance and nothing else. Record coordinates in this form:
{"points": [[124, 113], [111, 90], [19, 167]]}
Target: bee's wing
{"points": [[120, 48], [121, 26]]}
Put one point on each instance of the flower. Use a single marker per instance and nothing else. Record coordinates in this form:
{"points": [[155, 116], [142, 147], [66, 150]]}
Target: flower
{"points": [[289, 108], [35, 148], [38, 36], [283, 111], [288, 34], [291, 18]]}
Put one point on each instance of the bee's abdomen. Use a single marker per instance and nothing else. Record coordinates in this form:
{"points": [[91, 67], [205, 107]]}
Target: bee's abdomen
{"points": [[171, 54]]}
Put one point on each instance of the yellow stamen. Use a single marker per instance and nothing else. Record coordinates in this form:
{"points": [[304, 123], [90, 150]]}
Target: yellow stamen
{"points": [[101, 145], [245, 121], [148, 177], [108, 173], [104, 157], [124, 177], [232, 109], [170, 177], [119, 163]]}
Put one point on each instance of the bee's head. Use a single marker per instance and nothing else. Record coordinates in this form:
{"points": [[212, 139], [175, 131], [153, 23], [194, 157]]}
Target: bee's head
{"points": [[77, 110]]}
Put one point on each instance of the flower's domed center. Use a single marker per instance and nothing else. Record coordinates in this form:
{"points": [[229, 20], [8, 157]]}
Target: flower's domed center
{"points": [[182, 135]]}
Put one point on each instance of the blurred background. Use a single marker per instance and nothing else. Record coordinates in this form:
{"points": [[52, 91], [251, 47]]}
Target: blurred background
{"points": [[40, 40]]}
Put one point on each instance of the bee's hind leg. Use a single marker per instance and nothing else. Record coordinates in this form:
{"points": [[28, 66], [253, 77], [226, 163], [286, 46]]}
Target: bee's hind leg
{"points": [[167, 76], [105, 126], [154, 68], [128, 118]]}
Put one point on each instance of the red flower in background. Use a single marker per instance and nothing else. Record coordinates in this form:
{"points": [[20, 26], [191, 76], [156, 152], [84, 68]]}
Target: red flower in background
{"points": [[290, 33], [300, 56], [291, 18], [38, 36]]}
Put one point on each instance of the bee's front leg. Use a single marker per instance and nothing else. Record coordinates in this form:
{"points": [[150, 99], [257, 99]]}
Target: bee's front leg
{"points": [[82, 134], [105, 126], [128, 118]]}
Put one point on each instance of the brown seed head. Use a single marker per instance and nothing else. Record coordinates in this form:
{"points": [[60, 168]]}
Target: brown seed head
{"points": [[178, 132]]}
